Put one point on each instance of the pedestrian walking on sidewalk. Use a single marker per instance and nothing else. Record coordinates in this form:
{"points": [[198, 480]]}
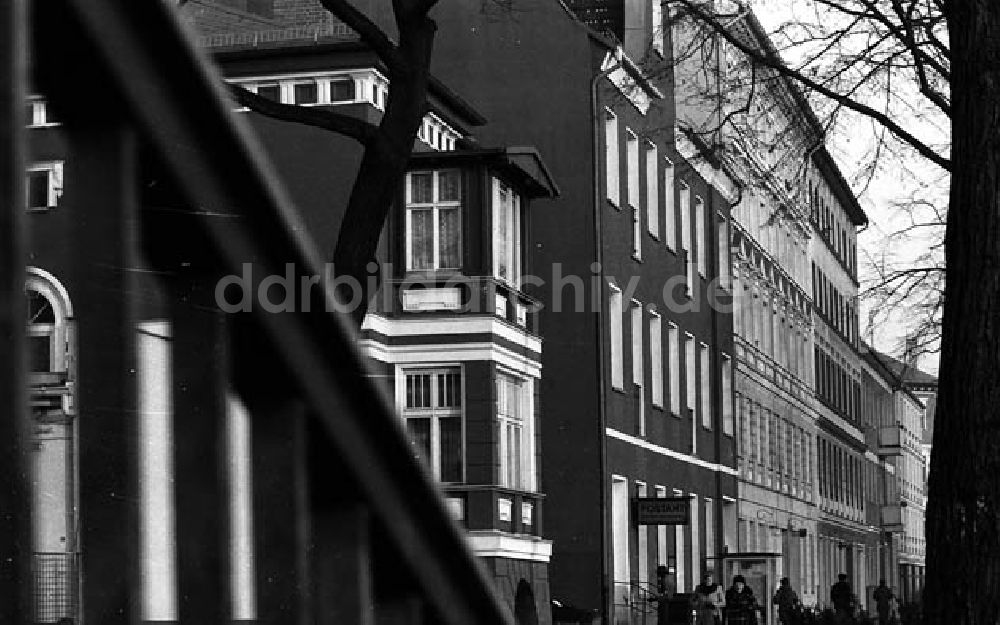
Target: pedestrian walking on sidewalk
{"points": [[787, 602]]}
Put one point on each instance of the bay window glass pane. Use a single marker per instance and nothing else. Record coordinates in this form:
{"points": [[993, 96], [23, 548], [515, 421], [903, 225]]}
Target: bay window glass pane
{"points": [[449, 186], [421, 238], [271, 92], [419, 431], [449, 231], [449, 390], [422, 188], [451, 449], [305, 93], [418, 391], [341, 90], [501, 243]]}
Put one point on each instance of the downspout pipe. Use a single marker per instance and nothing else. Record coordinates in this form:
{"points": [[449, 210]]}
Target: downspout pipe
{"points": [[599, 327]]}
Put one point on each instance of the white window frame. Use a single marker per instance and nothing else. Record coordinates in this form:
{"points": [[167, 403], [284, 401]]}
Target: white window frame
{"points": [[685, 201], [513, 225], [54, 184], [652, 189], [710, 531], [526, 481], [695, 540], [620, 529], [705, 373], [669, 206], [658, 27], [435, 205], [690, 373], [632, 189], [612, 158], [662, 554], [635, 313], [434, 413], [728, 416], [615, 321], [701, 242], [674, 366], [680, 557], [641, 490], [656, 358]]}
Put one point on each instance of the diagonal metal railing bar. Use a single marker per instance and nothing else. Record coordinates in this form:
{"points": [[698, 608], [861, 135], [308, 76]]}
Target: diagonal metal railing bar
{"points": [[15, 481], [176, 100]]}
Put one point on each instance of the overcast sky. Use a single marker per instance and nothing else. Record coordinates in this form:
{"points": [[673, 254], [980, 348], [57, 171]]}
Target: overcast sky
{"points": [[895, 181]]}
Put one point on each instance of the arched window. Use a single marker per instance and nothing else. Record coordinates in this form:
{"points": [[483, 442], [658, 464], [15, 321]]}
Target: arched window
{"points": [[48, 319]]}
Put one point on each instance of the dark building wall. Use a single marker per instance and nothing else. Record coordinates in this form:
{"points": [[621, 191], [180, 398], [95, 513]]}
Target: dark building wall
{"points": [[529, 73]]}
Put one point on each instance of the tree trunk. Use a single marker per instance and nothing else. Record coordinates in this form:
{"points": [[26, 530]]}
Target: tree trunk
{"points": [[963, 515]]}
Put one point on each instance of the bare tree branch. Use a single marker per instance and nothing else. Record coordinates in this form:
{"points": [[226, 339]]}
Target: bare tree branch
{"points": [[353, 127]]}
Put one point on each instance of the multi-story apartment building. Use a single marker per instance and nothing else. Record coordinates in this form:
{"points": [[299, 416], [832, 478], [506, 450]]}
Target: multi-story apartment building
{"points": [[770, 143], [881, 491], [636, 362], [904, 436]]}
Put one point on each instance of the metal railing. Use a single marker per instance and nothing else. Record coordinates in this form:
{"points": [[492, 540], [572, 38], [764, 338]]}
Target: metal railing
{"points": [[347, 526], [632, 604]]}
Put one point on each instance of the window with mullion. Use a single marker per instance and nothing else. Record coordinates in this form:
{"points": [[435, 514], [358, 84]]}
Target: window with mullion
{"points": [[506, 233], [432, 408], [513, 421], [433, 220]]}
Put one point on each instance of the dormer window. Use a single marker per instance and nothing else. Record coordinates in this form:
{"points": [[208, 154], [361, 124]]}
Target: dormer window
{"points": [[433, 220], [506, 233]]}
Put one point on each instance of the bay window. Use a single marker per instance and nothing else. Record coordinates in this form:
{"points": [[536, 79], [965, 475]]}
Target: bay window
{"points": [[433, 220], [433, 412]]}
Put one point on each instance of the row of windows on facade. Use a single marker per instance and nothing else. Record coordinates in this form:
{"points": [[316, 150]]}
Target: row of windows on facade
{"points": [[772, 268], [433, 407], [773, 451], [647, 200], [433, 224], [367, 86], [774, 330], [848, 478], [832, 230], [667, 545], [838, 309], [836, 387], [694, 369]]}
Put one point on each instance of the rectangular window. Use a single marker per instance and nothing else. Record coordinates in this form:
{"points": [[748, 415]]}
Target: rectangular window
{"points": [[506, 233], [270, 91], [658, 27], [514, 421], [701, 242], [656, 359], [619, 533], [652, 189], [632, 167], [641, 491], [724, 261], [615, 313], [44, 185], [611, 155], [690, 373], [433, 220], [670, 217], [342, 90], [636, 315], [727, 395], [709, 528], [674, 367], [706, 386], [685, 201], [305, 93], [432, 408], [680, 552], [661, 533], [696, 545]]}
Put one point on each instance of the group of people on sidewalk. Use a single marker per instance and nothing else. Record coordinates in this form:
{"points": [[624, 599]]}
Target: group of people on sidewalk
{"points": [[739, 605]]}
